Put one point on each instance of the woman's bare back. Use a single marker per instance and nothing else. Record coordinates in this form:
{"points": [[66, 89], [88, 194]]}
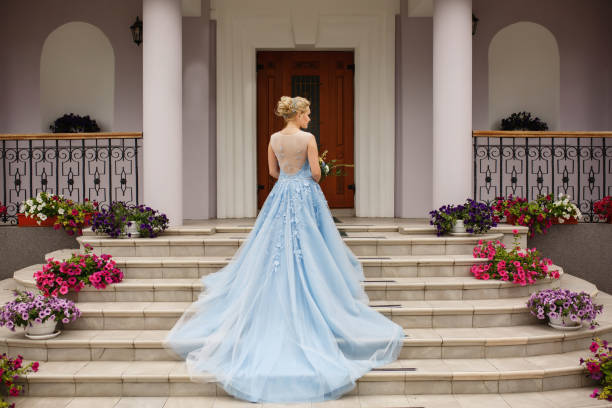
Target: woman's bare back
{"points": [[291, 151]]}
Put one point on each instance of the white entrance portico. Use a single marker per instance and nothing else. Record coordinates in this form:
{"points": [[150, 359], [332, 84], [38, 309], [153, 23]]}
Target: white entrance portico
{"points": [[368, 29], [364, 26]]}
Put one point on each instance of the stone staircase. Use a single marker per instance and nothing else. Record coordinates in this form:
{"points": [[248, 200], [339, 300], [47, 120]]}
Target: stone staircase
{"points": [[465, 336]]}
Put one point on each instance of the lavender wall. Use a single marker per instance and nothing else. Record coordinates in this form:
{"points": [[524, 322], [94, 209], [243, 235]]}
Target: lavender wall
{"points": [[20, 51], [24, 26], [584, 35], [414, 146], [199, 171]]}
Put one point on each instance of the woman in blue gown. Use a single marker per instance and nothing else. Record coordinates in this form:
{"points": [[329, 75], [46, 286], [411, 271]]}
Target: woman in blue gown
{"points": [[287, 320]]}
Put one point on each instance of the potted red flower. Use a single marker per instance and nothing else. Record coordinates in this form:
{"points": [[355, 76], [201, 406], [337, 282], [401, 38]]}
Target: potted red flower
{"points": [[603, 208], [73, 217], [519, 211]]}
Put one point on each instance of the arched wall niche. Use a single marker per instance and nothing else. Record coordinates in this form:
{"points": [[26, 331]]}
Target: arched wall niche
{"points": [[524, 74], [77, 75]]}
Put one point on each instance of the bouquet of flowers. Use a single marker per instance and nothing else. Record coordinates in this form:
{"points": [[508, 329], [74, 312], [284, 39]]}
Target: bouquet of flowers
{"points": [[29, 307], [562, 210], [42, 206], [518, 211], [517, 266], [2, 209], [603, 207], [557, 303], [477, 217], [74, 216], [115, 220], [59, 278], [10, 370], [600, 368], [331, 167]]}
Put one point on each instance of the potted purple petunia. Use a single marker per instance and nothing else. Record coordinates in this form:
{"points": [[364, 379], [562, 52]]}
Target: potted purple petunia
{"points": [[564, 309], [121, 220], [38, 314], [472, 217]]}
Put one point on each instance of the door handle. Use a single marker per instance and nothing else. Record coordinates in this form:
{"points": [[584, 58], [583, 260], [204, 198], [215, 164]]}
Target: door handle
{"points": [[260, 186]]}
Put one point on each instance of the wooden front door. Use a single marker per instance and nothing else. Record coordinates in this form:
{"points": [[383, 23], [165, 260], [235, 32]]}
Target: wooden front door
{"points": [[325, 78]]}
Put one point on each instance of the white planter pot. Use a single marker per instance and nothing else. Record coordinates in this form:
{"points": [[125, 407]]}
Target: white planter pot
{"points": [[133, 230], [564, 323], [458, 227], [41, 329]]}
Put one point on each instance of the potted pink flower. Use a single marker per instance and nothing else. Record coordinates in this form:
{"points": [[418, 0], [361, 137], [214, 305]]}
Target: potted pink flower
{"points": [[61, 277], [10, 370], [514, 265], [599, 368]]}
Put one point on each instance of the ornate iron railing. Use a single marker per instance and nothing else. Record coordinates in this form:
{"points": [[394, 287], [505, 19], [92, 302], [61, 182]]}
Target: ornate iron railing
{"points": [[529, 164], [101, 167]]}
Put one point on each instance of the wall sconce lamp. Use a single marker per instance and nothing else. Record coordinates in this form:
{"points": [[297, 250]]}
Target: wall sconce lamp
{"points": [[136, 29]]}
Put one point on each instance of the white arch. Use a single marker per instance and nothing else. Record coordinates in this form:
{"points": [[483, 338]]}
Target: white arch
{"points": [[524, 73], [77, 75]]}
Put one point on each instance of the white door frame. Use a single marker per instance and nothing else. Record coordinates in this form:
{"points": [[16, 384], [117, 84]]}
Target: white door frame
{"points": [[365, 26]]}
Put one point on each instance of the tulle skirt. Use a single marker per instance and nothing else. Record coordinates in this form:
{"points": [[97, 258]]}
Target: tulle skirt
{"points": [[287, 320]]}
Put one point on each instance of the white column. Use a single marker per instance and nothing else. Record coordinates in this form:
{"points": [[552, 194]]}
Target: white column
{"points": [[452, 101], [162, 107]]}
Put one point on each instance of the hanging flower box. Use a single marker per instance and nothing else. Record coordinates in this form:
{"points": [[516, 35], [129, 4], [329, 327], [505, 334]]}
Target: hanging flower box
{"points": [[25, 221]]}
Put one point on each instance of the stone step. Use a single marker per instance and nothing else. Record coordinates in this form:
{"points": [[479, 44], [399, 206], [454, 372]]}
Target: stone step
{"points": [[411, 229], [147, 345], [570, 398], [226, 244], [200, 230], [403, 377], [416, 288], [391, 266], [408, 314]]}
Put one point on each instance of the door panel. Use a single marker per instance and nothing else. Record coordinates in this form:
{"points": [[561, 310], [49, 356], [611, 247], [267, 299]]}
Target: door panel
{"points": [[326, 79]]}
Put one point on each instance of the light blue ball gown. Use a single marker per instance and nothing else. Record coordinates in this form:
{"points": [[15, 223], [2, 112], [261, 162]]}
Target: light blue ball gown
{"points": [[287, 320]]}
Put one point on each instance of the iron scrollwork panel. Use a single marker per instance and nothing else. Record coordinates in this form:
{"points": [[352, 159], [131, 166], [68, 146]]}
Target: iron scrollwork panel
{"points": [[102, 170], [530, 167]]}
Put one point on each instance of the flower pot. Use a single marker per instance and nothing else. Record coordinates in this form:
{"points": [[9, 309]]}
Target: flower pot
{"points": [[24, 221], [564, 323], [512, 219], [133, 230], [458, 227], [41, 329], [570, 220]]}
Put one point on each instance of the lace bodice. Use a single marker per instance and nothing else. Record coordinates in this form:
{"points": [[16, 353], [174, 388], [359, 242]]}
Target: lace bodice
{"points": [[291, 150]]}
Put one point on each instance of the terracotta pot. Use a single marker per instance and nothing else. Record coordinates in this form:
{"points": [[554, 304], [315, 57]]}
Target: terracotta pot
{"points": [[511, 219], [24, 221]]}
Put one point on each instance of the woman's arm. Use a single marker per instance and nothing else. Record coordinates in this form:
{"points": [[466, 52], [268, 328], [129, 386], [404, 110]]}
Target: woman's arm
{"points": [[273, 168], [313, 159]]}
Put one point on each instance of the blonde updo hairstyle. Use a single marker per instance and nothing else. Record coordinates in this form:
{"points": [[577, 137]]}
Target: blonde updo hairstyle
{"points": [[289, 107]]}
